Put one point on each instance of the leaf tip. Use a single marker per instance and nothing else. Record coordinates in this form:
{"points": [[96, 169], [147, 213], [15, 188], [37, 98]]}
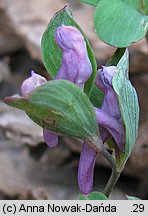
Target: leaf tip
{"points": [[15, 101]]}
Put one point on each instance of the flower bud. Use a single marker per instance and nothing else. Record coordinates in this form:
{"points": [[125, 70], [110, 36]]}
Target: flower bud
{"points": [[76, 66], [32, 83]]}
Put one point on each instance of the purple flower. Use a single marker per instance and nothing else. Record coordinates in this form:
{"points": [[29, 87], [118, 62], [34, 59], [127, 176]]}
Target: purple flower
{"points": [[109, 116], [110, 125], [32, 83], [86, 169], [76, 66], [27, 87]]}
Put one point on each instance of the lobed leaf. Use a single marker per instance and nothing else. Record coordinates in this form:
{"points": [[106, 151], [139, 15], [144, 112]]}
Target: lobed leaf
{"points": [[52, 54]]}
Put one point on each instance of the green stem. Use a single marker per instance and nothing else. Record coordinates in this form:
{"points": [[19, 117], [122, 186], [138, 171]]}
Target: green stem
{"points": [[115, 173], [146, 37], [111, 182], [108, 157]]}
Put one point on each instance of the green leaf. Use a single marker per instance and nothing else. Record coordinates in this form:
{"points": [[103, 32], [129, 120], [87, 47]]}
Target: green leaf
{"points": [[139, 5], [129, 107], [136, 4], [93, 196], [113, 61], [96, 97], [132, 198], [52, 54], [119, 24], [91, 2], [144, 7], [62, 107]]}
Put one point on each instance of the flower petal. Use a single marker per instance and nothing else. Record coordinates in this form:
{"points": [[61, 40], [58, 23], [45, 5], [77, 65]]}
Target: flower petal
{"points": [[86, 169], [104, 77], [50, 138], [32, 83], [76, 66], [113, 125]]}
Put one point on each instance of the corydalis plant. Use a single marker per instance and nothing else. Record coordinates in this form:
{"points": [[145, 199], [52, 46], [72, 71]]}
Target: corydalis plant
{"points": [[75, 63], [61, 107]]}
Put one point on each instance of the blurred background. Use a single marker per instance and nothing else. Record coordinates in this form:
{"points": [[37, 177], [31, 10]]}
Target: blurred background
{"points": [[28, 168]]}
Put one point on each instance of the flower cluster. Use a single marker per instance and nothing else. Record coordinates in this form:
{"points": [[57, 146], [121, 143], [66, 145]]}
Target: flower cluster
{"points": [[110, 125], [76, 68]]}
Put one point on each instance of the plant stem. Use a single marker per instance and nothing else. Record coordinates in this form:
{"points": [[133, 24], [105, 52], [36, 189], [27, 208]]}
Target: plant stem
{"points": [[147, 37], [108, 157], [115, 173], [111, 182]]}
